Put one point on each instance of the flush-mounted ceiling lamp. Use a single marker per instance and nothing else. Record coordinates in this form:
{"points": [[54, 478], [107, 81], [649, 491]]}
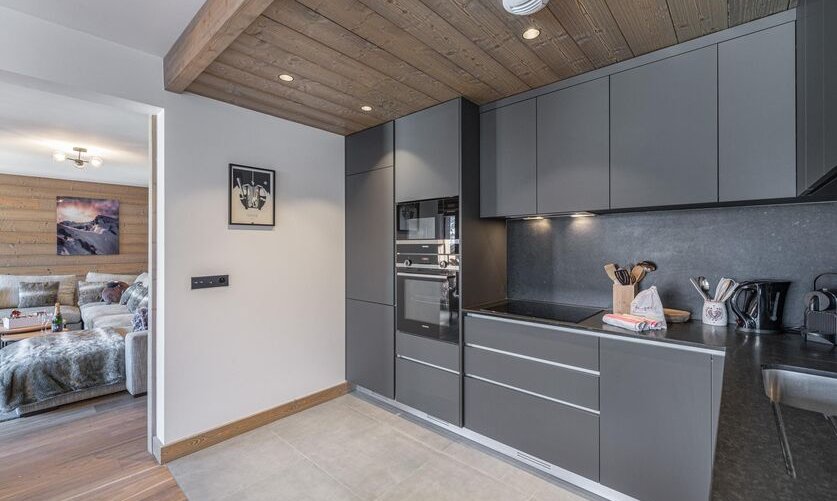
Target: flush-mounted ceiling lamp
{"points": [[286, 78], [366, 107], [78, 160], [524, 7], [531, 33]]}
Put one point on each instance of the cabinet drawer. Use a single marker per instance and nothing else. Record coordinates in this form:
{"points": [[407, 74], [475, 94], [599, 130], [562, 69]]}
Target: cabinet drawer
{"points": [[428, 350], [570, 386], [433, 391], [546, 343], [561, 435]]}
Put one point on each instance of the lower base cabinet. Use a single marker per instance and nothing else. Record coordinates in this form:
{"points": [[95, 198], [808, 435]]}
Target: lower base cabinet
{"points": [[434, 391], [370, 346], [564, 436], [657, 413]]}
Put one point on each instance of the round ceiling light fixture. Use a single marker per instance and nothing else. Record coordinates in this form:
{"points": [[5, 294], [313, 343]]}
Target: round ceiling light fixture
{"points": [[286, 78], [531, 33], [79, 162], [524, 7], [366, 107]]}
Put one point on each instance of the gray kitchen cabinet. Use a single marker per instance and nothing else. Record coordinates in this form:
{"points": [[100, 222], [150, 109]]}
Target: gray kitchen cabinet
{"points": [[427, 153], [370, 352], [549, 431], [656, 421], [816, 99], [757, 115], [663, 132], [508, 160], [427, 350], [370, 253], [370, 149], [573, 148], [428, 389]]}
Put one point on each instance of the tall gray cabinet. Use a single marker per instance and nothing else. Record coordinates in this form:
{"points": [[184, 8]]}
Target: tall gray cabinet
{"points": [[663, 132], [370, 255], [757, 115]]}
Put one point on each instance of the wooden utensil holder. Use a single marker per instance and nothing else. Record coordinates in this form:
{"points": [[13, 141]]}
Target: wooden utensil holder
{"points": [[622, 297]]}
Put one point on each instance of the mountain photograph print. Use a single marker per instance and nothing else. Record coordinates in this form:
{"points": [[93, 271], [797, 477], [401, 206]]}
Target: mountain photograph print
{"points": [[87, 226]]}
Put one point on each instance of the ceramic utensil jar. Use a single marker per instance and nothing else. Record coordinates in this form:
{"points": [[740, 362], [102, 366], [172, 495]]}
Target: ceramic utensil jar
{"points": [[714, 313]]}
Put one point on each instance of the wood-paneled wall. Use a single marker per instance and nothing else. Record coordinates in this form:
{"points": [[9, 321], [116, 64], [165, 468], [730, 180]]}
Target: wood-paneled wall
{"points": [[28, 227]]}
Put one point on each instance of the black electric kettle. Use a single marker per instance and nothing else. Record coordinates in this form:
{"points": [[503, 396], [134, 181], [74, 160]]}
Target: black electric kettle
{"points": [[758, 306]]}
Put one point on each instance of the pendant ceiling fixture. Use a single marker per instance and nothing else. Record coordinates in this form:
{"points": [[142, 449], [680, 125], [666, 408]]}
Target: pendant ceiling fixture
{"points": [[78, 161], [524, 7]]}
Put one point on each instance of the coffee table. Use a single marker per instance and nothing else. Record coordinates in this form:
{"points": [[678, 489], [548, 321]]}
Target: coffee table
{"points": [[19, 334]]}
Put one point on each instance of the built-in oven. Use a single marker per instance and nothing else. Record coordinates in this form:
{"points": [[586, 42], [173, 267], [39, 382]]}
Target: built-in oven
{"points": [[428, 303], [428, 220]]}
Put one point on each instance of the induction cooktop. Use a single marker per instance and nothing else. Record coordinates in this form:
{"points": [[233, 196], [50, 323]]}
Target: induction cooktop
{"points": [[551, 311]]}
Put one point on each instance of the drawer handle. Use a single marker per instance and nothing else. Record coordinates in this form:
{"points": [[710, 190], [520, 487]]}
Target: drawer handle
{"points": [[533, 394], [427, 364], [533, 359]]}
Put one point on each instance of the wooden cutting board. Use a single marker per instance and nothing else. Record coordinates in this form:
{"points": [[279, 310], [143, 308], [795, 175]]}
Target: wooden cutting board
{"points": [[676, 316]]}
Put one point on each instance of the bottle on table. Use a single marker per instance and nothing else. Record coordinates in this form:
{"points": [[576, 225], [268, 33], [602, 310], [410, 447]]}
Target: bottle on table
{"points": [[57, 319]]}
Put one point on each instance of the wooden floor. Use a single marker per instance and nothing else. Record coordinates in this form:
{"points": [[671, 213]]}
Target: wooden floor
{"points": [[86, 451]]}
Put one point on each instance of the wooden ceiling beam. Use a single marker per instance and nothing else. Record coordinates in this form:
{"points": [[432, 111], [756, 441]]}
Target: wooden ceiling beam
{"points": [[358, 18], [591, 24], [211, 31], [314, 25]]}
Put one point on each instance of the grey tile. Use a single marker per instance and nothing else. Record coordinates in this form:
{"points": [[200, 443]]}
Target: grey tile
{"points": [[232, 465], [371, 462], [299, 481], [479, 459], [324, 423], [444, 478]]}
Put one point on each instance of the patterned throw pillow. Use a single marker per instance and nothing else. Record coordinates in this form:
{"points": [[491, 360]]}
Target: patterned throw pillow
{"points": [[32, 294], [140, 320], [126, 295], [138, 295], [90, 292], [113, 291]]}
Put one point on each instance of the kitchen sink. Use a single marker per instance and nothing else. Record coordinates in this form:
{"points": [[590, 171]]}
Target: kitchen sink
{"points": [[806, 389]]}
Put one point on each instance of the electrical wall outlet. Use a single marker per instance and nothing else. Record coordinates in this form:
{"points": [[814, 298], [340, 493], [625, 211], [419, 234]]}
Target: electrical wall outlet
{"points": [[210, 281]]}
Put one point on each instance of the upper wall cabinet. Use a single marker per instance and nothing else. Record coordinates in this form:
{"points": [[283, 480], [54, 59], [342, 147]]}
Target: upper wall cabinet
{"points": [[573, 149], [663, 134], [427, 153], [757, 115], [369, 149], [507, 160]]}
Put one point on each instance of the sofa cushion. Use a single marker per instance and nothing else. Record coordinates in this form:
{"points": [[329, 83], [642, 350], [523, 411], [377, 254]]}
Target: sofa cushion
{"points": [[32, 294], [90, 292], [92, 311], [138, 298], [144, 278], [71, 314], [9, 288], [112, 293], [94, 276], [122, 323]]}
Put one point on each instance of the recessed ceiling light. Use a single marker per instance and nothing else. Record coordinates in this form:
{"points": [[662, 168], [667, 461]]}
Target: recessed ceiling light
{"points": [[286, 78], [533, 218], [59, 156], [366, 107], [531, 33]]}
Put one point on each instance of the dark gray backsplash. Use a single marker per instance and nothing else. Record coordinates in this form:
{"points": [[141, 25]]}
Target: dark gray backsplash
{"points": [[562, 259]]}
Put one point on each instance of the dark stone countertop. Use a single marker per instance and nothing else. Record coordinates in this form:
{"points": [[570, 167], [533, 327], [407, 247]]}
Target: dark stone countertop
{"points": [[748, 457]]}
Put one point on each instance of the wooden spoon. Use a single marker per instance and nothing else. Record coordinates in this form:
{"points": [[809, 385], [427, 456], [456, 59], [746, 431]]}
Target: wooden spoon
{"points": [[637, 274], [610, 269]]}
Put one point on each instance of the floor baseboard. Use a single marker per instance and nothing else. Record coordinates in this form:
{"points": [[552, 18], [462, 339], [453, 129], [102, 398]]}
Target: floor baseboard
{"points": [[180, 448]]}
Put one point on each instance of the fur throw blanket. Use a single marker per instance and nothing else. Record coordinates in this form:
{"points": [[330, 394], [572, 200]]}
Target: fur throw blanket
{"points": [[42, 367]]}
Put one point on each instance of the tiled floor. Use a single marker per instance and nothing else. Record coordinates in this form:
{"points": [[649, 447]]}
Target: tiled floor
{"points": [[352, 449]]}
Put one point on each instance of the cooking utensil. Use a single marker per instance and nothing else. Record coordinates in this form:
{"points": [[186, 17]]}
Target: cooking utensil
{"points": [[623, 276], [648, 265], [637, 274], [610, 269], [696, 284], [704, 285], [724, 289]]}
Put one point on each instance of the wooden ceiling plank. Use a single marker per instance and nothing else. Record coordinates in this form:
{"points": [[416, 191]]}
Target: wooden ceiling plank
{"points": [[273, 56], [306, 87], [279, 89], [421, 22], [592, 26], [314, 25], [744, 11], [296, 43], [215, 88], [368, 24], [646, 24], [695, 18], [216, 24], [480, 24]]}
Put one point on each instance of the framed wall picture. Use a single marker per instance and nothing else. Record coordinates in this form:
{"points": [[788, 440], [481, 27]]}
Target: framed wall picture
{"points": [[87, 226], [252, 196]]}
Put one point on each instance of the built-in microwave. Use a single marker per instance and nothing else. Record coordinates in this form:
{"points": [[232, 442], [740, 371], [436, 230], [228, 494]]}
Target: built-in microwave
{"points": [[429, 220]]}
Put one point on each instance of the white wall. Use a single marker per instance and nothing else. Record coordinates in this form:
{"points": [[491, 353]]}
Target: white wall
{"points": [[277, 332]]}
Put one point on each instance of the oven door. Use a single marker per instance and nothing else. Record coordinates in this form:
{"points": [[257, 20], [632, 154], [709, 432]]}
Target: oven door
{"points": [[428, 304]]}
